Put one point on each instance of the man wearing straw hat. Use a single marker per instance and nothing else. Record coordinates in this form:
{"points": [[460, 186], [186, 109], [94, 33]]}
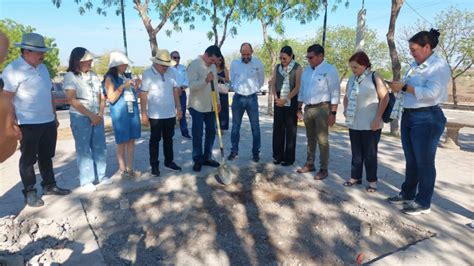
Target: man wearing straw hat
{"points": [[158, 110], [201, 72], [28, 86]]}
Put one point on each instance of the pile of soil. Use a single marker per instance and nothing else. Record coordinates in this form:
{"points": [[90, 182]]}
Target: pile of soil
{"points": [[35, 240], [265, 218]]}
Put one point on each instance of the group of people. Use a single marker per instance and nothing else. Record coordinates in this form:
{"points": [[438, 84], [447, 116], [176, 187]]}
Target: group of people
{"points": [[168, 90]]}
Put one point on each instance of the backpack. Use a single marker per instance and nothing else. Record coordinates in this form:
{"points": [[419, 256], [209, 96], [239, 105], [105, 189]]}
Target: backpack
{"points": [[391, 102]]}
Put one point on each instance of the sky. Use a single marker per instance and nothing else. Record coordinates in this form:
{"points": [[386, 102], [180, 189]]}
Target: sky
{"points": [[101, 34]]}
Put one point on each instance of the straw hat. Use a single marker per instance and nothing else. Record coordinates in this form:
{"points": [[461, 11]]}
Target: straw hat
{"points": [[118, 58], [163, 58], [34, 42]]}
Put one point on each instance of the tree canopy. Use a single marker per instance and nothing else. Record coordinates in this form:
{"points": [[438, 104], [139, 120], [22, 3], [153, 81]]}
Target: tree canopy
{"points": [[14, 32]]}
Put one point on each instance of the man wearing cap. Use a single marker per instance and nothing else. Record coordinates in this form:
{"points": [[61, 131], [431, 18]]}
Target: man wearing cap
{"points": [[183, 84], [247, 76], [319, 92], [201, 72], [158, 110], [28, 86]]}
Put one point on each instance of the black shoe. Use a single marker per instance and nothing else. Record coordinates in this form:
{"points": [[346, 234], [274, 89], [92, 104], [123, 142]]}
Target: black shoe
{"points": [[398, 199], [155, 171], [32, 200], [186, 136], [232, 156], [211, 163], [276, 161], [415, 209], [286, 164], [197, 167], [256, 158], [55, 190], [173, 166]]}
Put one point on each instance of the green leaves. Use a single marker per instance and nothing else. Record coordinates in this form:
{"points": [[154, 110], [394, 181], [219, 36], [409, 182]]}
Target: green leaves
{"points": [[14, 32]]}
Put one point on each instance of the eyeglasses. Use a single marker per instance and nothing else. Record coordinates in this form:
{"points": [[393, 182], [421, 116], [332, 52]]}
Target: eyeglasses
{"points": [[176, 57]]}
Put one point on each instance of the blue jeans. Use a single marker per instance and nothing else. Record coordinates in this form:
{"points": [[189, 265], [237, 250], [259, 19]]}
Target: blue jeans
{"points": [[421, 132], [90, 148], [240, 104], [182, 122], [199, 119]]}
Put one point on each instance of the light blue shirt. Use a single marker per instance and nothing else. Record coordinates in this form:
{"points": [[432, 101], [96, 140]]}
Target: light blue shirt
{"points": [[247, 78], [32, 87], [430, 80], [320, 84], [181, 76]]}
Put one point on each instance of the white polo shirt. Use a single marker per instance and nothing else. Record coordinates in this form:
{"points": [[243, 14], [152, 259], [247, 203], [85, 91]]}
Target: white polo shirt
{"points": [[247, 78], [160, 103], [320, 84], [32, 88]]}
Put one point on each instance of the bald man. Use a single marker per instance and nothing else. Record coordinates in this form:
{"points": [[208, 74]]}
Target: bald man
{"points": [[9, 131], [247, 76]]}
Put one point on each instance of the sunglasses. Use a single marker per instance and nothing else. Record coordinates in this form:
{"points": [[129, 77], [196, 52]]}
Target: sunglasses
{"points": [[176, 57]]}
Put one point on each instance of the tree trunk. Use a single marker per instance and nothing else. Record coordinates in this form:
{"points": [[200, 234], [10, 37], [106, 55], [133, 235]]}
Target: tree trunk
{"points": [[455, 94], [271, 53], [396, 6]]}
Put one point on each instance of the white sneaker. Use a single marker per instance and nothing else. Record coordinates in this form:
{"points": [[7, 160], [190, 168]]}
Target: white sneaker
{"points": [[106, 181], [88, 188]]}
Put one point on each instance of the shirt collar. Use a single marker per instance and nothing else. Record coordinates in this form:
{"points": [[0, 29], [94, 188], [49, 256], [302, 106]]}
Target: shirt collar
{"points": [[318, 66]]}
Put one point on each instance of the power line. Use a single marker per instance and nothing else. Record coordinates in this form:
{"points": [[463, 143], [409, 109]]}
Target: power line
{"points": [[414, 10]]}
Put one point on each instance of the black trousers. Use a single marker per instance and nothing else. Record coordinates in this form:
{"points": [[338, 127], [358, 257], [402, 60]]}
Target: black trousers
{"points": [[284, 133], [37, 145], [161, 128], [364, 146]]}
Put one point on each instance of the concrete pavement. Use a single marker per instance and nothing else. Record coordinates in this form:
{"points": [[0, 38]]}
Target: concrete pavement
{"points": [[451, 210]]}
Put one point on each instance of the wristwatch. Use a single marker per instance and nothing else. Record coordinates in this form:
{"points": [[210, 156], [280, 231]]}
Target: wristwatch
{"points": [[405, 87], [333, 112]]}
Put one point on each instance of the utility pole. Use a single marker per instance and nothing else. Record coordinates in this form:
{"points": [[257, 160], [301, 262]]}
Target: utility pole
{"points": [[123, 27], [325, 3]]}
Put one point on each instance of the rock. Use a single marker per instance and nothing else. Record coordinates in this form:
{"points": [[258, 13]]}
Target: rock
{"points": [[3, 238]]}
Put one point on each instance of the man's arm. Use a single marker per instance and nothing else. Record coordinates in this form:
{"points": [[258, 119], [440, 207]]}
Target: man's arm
{"points": [[261, 74], [196, 82]]}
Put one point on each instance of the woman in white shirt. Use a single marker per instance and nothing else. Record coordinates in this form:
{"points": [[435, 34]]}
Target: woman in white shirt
{"points": [[424, 87], [364, 103], [84, 94]]}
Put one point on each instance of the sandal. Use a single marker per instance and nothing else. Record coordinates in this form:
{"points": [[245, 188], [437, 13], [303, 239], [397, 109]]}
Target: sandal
{"points": [[371, 189], [350, 182]]}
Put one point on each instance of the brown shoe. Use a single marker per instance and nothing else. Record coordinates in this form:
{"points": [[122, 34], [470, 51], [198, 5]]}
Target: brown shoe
{"points": [[322, 174], [306, 168]]}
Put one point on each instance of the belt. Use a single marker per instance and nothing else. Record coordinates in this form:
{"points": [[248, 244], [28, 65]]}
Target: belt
{"points": [[250, 95], [421, 109], [316, 105]]}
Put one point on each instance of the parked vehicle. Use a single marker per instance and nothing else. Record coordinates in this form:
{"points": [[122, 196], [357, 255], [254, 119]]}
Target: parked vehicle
{"points": [[59, 96]]}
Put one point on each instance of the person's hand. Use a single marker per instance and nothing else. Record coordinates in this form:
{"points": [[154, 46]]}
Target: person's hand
{"points": [[128, 83], [218, 108], [137, 83], [331, 120], [299, 115], [396, 86], [179, 113], [375, 125], [95, 119], [144, 119], [56, 121], [209, 77]]}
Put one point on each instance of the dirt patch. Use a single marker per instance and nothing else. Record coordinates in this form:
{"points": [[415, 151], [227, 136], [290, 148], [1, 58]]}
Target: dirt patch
{"points": [[36, 240], [264, 219]]}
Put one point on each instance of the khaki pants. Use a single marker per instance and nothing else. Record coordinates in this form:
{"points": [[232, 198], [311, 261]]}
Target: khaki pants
{"points": [[317, 131]]}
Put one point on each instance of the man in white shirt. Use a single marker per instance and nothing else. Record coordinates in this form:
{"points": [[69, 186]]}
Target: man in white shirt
{"points": [[158, 109], [247, 76], [182, 84], [28, 86], [319, 92], [201, 72]]}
